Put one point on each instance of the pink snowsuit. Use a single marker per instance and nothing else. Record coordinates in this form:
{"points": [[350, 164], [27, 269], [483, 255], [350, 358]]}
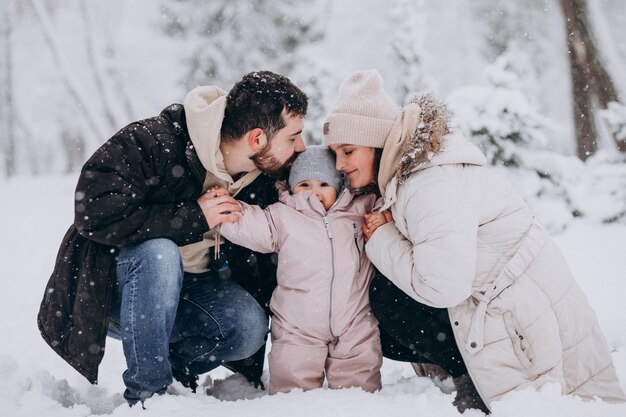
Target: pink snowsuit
{"points": [[322, 320]]}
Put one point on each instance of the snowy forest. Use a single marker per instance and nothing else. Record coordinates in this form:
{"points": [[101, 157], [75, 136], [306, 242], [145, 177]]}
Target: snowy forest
{"points": [[538, 85]]}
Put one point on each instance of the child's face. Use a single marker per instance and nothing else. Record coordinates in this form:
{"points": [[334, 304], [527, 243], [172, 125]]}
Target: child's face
{"points": [[325, 192]]}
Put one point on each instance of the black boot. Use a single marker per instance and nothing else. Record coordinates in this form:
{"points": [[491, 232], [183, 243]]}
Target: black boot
{"points": [[467, 396], [187, 379], [430, 370]]}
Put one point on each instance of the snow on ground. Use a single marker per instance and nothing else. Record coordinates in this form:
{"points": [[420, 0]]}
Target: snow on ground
{"points": [[34, 381]]}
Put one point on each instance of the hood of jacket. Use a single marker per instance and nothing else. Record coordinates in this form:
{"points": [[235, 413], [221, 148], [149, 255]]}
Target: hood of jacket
{"points": [[204, 113], [307, 202], [420, 139]]}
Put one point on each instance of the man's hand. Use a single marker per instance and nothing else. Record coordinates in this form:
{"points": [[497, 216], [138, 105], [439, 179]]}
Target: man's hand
{"points": [[373, 221], [218, 206]]}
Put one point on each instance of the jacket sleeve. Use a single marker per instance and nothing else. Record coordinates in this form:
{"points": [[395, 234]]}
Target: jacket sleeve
{"points": [[114, 202], [435, 264], [254, 230]]}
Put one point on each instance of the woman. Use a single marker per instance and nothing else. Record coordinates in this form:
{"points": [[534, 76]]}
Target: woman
{"points": [[492, 300]]}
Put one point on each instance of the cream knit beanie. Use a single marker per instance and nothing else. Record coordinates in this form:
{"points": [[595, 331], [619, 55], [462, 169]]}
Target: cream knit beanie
{"points": [[364, 113]]}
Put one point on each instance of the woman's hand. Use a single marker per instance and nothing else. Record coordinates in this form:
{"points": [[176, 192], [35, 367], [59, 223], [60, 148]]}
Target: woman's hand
{"points": [[373, 221]]}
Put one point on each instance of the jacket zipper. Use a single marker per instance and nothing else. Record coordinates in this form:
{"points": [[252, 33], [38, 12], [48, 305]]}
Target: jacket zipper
{"points": [[356, 243], [329, 232]]}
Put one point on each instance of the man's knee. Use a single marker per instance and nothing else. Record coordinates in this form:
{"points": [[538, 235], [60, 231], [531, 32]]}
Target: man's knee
{"points": [[162, 250], [249, 328], [157, 261]]}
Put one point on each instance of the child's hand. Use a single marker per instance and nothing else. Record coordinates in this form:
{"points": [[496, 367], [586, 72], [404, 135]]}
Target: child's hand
{"points": [[373, 221], [217, 190]]}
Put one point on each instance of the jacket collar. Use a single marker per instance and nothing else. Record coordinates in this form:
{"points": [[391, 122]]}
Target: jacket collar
{"points": [[307, 203], [175, 114], [420, 139], [415, 136]]}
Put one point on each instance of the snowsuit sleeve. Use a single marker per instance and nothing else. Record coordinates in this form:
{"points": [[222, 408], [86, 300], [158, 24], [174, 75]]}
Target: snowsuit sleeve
{"points": [[435, 264], [254, 230], [126, 191]]}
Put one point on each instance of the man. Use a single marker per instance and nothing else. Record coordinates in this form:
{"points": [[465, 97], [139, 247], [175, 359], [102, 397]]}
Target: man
{"points": [[142, 261]]}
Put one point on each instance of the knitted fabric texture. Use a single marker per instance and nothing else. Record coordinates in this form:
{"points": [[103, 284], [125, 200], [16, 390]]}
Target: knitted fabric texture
{"points": [[364, 113], [316, 163]]}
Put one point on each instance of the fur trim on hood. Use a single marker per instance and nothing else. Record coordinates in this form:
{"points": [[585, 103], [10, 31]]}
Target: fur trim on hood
{"points": [[415, 137], [421, 138], [427, 138]]}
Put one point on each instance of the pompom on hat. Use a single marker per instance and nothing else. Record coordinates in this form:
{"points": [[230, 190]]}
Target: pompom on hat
{"points": [[364, 113], [315, 163]]}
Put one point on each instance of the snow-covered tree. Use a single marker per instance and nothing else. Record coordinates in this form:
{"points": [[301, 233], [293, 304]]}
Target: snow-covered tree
{"points": [[515, 136], [499, 117], [234, 37], [98, 115], [615, 117], [315, 76], [530, 35], [506, 23], [408, 48], [62, 91], [103, 63]]}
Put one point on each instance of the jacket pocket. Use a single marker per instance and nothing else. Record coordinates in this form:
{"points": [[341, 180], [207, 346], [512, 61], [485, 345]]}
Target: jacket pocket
{"points": [[521, 346]]}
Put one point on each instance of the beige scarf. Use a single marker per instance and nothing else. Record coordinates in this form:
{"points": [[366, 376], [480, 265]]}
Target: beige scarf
{"points": [[403, 129], [415, 137]]}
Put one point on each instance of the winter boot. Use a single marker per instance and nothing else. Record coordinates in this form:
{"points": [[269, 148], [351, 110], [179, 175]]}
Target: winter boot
{"points": [[429, 370], [187, 379], [467, 396]]}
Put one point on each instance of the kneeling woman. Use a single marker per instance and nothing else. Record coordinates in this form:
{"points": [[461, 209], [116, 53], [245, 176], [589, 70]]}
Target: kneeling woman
{"points": [[472, 282]]}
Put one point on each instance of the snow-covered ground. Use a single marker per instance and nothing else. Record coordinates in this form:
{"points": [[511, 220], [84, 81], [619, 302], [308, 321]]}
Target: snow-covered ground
{"points": [[34, 215]]}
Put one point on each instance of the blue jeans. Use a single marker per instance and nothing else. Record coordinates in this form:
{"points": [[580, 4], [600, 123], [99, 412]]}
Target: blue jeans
{"points": [[170, 319]]}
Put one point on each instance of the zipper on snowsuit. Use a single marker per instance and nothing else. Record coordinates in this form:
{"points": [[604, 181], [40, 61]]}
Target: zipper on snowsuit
{"points": [[356, 243], [329, 232]]}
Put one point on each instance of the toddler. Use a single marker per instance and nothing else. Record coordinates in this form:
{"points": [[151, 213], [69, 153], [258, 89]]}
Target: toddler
{"points": [[322, 323]]}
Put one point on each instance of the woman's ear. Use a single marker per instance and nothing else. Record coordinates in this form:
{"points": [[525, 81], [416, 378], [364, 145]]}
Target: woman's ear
{"points": [[256, 139]]}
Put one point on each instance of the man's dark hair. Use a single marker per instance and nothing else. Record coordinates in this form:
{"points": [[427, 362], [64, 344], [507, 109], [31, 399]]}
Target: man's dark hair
{"points": [[257, 101]]}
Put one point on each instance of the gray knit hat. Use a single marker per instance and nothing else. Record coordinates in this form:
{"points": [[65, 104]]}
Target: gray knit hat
{"points": [[316, 163], [364, 113]]}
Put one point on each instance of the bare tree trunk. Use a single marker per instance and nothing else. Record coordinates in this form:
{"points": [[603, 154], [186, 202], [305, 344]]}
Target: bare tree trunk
{"points": [[101, 76], [32, 151], [123, 101], [74, 145], [92, 115], [7, 109], [591, 84], [95, 68], [408, 46]]}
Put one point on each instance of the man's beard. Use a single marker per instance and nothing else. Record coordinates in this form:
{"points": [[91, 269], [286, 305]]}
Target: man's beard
{"points": [[265, 161]]}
